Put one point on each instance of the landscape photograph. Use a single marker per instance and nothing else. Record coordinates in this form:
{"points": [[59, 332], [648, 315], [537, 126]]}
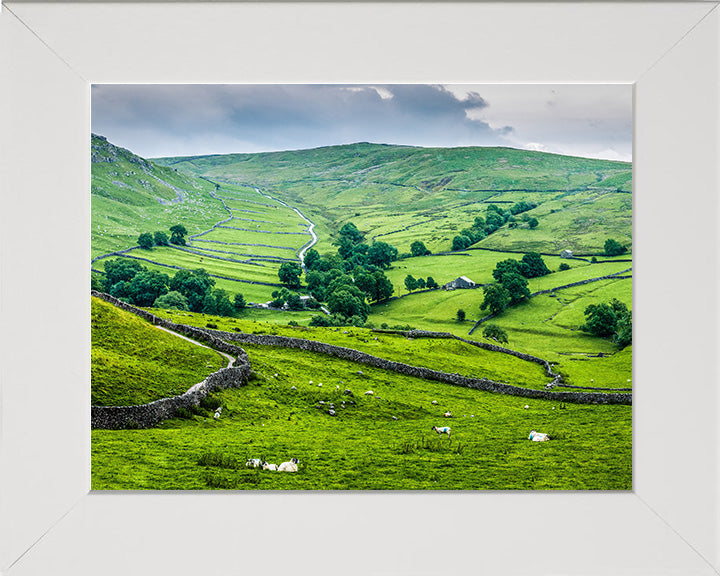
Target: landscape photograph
{"points": [[361, 287]]}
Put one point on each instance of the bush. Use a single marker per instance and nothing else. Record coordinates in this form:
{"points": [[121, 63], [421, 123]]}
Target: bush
{"points": [[460, 315], [564, 266], [494, 332]]}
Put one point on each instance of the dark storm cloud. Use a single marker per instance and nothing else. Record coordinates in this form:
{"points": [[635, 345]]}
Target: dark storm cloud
{"points": [[157, 120]]}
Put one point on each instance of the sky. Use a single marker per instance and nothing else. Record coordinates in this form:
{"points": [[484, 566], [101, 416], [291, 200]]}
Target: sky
{"points": [[154, 120]]}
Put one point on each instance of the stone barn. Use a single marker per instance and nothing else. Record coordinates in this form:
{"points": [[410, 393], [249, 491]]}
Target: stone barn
{"points": [[461, 282], [566, 254]]}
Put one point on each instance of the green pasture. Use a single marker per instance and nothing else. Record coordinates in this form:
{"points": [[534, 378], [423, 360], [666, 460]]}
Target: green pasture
{"points": [[292, 242], [134, 362], [446, 355], [363, 447]]}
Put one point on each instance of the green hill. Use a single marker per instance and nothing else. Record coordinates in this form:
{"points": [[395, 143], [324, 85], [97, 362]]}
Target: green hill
{"points": [[407, 193], [131, 195]]}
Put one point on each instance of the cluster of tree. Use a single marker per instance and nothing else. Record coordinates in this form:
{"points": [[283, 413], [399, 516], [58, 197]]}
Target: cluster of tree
{"points": [[355, 252], [512, 285], [285, 298], [495, 217], [614, 248], [412, 283], [345, 281], [177, 236], [531, 265], [609, 320], [191, 290]]}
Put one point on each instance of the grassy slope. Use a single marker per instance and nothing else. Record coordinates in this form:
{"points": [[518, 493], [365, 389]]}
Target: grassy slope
{"points": [[591, 448], [377, 185], [134, 363], [131, 195]]}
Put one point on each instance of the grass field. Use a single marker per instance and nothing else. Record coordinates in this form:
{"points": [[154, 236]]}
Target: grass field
{"points": [[134, 363], [363, 447]]}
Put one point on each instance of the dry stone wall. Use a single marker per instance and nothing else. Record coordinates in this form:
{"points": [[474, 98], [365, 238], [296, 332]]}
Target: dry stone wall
{"points": [[147, 415]]}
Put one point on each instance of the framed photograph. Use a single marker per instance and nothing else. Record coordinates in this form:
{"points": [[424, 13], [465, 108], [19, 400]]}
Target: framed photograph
{"points": [[51, 520]]}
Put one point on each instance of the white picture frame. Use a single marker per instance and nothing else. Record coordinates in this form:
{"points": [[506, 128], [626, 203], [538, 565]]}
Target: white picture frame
{"points": [[50, 523]]}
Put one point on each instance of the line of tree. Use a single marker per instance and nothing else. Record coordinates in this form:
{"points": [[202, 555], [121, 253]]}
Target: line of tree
{"points": [[412, 283], [495, 218], [178, 232], [190, 290]]}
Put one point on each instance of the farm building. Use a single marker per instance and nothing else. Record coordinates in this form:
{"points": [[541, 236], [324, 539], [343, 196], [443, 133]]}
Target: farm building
{"points": [[461, 282], [566, 254]]}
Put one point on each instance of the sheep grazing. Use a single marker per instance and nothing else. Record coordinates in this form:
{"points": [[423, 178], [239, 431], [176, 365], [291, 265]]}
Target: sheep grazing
{"points": [[538, 436], [291, 466], [266, 466], [442, 430], [254, 463], [526, 407], [447, 414], [217, 413], [369, 393]]}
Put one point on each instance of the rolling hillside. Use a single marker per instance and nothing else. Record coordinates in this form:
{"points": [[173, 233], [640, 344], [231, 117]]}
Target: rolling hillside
{"points": [[400, 194]]}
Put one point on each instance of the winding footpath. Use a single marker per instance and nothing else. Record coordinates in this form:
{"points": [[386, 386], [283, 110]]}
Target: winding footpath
{"points": [[229, 358]]}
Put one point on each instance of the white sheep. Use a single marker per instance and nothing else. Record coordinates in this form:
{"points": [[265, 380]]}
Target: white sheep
{"points": [[538, 436], [254, 463], [291, 466], [369, 393], [447, 414], [434, 402], [266, 466], [441, 431]]}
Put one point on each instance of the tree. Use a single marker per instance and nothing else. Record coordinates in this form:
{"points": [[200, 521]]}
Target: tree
{"points": [[381, 254], [351, 232], [146, 286], [161, 239], [172, 301], [461, 243], [614, 248], [194, 285], [348, 302], [460, 315], [494, 332], [178, 233], [289, 274], [311, 258], [430, 282], [223, 306], [623, 331], [516, 285], [294, 302], [146, 241], [494, 220], [420, 283], [564, 266], [418, 248], [496, 298], [533, 222], [410, 283], [532, 265], [505, 266], [600, 320], [239, 302], [383, 287], [120, 270]]}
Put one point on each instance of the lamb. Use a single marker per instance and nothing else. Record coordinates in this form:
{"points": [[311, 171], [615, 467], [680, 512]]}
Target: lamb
{"points": [[291, 466], [447, 414], [538, 436], [254, 463], [369, 393], [441, 431], [266, 466]]}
